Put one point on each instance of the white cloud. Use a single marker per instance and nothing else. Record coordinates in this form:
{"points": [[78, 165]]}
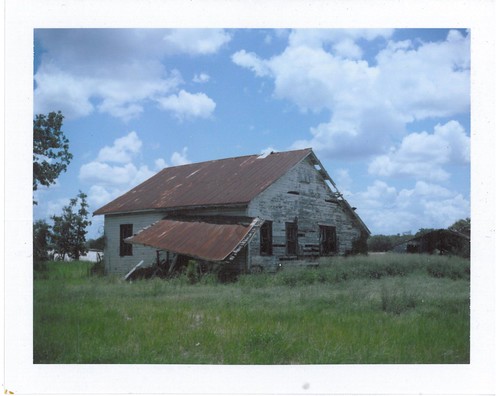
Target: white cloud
{"points": [[113, 172], [54, 207], [160, 164], [113, 71], [388, 211], [250, 61], [58, 90], [100, 196], [112, 175], [188, 105], [432, 80], [120, 94], [343, 180], [180, 158], [123, 149], [201, 78], [423, 155], [347, 48], [197, 41], [369, 104]]}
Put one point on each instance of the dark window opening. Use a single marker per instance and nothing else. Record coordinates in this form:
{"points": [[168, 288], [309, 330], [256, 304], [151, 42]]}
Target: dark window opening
{"points": [[292, 239], [125, 232], [331, 201], [327, 240], [266, 238], [293, 192]]}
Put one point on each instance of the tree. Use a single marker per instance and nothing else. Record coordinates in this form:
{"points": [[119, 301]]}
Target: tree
{"points": [[423, 231], [462, 226], [51, 154], [70, 228], [97, 244], [379, 243], [41, 242]]}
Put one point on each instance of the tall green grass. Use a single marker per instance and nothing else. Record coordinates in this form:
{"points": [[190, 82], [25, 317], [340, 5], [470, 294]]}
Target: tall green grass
{"points": [[337, 313]]}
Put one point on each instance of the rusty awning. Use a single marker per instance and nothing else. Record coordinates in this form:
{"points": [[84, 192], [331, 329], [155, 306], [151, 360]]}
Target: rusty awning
{"points": [[211, 238]]}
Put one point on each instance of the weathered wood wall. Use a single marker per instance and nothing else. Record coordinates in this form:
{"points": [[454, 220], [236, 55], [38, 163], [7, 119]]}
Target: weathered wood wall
{"points": [[301, 195]]}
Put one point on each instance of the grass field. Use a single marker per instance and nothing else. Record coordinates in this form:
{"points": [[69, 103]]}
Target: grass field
{"points": [[384, 309]]}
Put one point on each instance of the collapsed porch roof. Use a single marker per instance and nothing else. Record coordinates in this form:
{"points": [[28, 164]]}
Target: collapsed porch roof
{"points": [[214, 238]]}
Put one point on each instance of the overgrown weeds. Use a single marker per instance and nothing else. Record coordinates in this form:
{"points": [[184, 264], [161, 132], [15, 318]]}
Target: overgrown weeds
{"points": [[336, 313], [397, 300]]}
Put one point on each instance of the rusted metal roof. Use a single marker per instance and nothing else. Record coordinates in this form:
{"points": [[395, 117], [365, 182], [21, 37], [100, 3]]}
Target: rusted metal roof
{"points": [[230, 181], [213, 238]]}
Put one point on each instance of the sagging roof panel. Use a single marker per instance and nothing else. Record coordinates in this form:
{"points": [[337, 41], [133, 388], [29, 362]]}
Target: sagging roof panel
{"points": [[211, 239], [222, 182]]}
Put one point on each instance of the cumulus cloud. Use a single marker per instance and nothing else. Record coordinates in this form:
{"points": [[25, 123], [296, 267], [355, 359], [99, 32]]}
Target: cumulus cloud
{"points": [[369, 104], [196, 41], [177, 158], [343, 180], [187, 105], [250, 61], [116, 170], [180, 158], [432, 80], [423, 155], [388, 210], [113, 71], [160, 164], [122, 150]]}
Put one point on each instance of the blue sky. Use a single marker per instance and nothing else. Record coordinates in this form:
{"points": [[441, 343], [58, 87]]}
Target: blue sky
{"points": [[386, 111]]}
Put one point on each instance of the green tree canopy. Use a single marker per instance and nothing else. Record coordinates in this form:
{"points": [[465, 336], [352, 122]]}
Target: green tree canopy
{"points": [[51, 154], [462, 226], [70, 228], [42, 237]]}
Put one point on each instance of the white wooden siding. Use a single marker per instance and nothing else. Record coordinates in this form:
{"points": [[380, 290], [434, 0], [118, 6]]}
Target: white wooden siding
{"points": [[115, 264]]}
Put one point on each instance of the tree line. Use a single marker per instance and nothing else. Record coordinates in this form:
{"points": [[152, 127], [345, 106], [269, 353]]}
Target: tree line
{"points": [[384, 243]]}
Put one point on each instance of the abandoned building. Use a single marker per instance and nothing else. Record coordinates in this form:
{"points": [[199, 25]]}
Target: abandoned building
{"points": [[256, 212], [440, 241]]}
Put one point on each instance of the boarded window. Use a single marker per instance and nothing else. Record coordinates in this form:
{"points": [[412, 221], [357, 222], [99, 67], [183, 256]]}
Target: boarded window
{"points": [[327, 240], [266, 238], [292, 241], [126, 231]]}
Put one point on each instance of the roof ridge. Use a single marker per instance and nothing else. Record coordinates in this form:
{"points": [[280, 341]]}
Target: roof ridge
{"points": [[235, 157]]}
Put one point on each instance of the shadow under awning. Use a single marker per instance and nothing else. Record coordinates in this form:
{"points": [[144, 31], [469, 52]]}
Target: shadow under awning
{"points": [[211, 238]]}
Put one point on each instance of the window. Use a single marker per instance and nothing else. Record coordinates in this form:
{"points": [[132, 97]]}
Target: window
{"points": [[292, 242], [327, 240], [125, 232], [266, 238]]}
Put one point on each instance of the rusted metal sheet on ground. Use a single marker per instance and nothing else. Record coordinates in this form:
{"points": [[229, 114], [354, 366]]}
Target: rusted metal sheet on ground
{"points": [[214, 239], [229, 181]]}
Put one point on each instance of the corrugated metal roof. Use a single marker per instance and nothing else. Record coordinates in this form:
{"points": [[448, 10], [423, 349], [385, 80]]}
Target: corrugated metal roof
{"points": [[214, 239], [228, 181]]}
